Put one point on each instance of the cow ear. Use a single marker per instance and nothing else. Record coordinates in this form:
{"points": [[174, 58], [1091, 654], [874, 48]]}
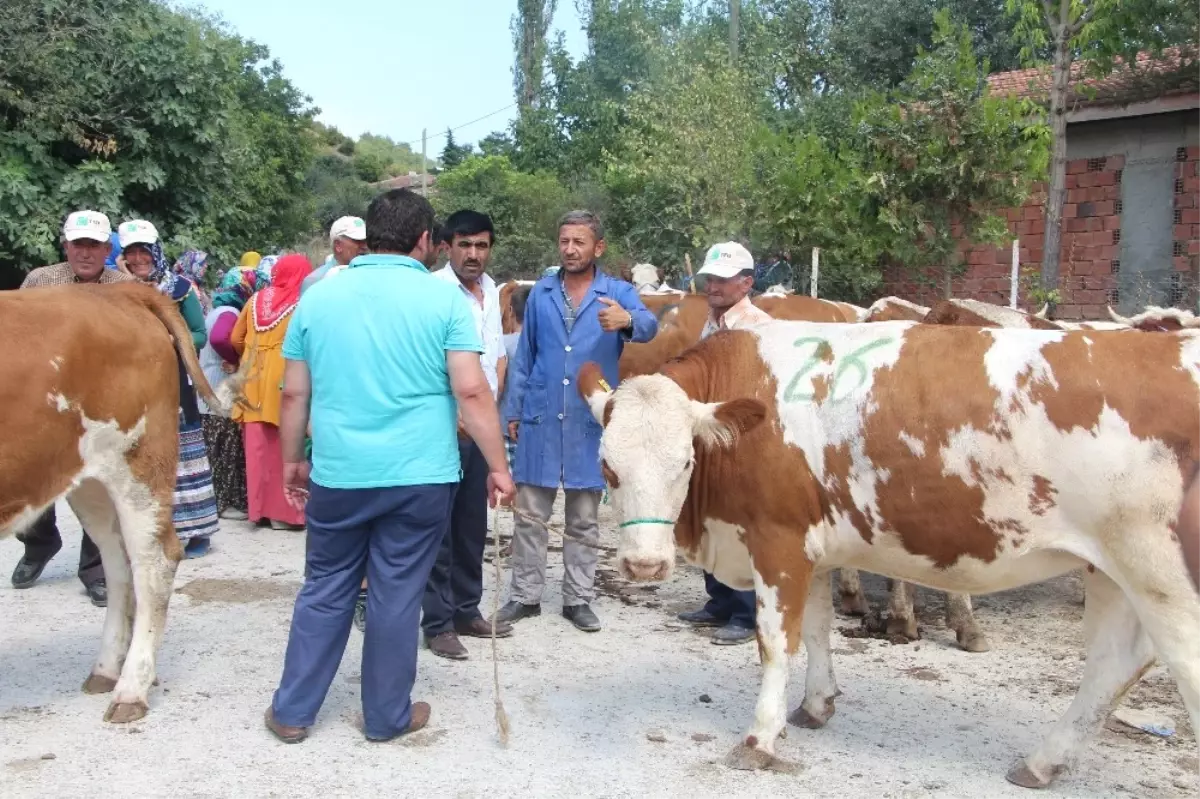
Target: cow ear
{"points": [[594, 389], [720, 424]]}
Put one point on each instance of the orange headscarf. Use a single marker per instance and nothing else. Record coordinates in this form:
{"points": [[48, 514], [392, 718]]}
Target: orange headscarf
{"points": [[273, 304]]}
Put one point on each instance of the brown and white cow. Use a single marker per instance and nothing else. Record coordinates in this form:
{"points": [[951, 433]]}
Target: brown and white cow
{"points": [[680, 320], [966, 459], [90, 392], [895, 309]]}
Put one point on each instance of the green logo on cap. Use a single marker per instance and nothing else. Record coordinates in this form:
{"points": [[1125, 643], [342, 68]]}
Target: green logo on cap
{"points": [[83, 221], [131, 227], [714, 255], [358, 223]]}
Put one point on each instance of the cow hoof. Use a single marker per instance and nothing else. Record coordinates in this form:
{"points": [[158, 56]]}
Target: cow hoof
{"points": [[974, 642], [1022, 776], [903, 628], [125, 712], [747, 758], [854, 605], [98, 684], [802, 718]]}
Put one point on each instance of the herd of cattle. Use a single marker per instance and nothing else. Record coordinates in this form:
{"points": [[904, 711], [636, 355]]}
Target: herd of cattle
{"points": [[967, 447]]}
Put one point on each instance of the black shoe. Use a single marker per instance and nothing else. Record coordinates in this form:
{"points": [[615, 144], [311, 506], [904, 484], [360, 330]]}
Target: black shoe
{"points": [[97, 591], [582, 617], [732, 634], [515, 611], [360, 613], [28, 571], [702, 618]]}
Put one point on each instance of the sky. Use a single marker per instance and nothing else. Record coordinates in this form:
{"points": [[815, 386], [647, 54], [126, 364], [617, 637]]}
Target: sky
{"points": [[393, 67]]}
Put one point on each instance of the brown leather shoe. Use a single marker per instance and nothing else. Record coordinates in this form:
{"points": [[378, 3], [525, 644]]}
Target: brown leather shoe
{"points": [[289, 735], [419, 717], [479, 627], [447, 645]]}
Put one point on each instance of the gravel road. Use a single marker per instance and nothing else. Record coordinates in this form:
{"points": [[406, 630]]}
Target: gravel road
{"points": [[643, 708]]}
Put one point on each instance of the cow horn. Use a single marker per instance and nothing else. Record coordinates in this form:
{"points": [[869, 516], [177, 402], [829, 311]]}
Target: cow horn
{"points": [[1116, 317], [1042, 313]]}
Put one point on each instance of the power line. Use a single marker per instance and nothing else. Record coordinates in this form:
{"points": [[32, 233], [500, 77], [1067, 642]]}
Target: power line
{"points": [[460, 127]]}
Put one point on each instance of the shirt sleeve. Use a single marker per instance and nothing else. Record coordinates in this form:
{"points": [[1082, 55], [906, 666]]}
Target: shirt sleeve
{"points": [[189, 308], [295, 338], [461, 333]]}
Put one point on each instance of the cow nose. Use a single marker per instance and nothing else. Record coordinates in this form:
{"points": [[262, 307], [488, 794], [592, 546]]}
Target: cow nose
{"points": [[643, 570]]}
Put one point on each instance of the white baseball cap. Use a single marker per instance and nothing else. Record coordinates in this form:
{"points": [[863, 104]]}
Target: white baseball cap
{"points": [[726, 260], [139, 231], [87, 225], [349, 226]]}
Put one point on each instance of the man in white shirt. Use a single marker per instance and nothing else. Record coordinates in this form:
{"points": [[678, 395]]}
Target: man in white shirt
{"points": [[348, 239], [728, 275], [451, 603]]}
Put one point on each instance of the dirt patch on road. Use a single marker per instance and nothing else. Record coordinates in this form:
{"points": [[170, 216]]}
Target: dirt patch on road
{"points": [[238, 591]]}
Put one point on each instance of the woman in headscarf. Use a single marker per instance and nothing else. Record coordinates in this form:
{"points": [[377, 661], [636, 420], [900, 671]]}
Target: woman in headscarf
{"points": [[249, 260], [219, 361], [195, 506], [192, 265], [259, 334]]}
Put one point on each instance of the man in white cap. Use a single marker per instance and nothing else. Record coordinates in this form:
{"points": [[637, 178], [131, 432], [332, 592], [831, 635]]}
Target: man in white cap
{"points": [[348, 238], [87, 241], [728, 276]]}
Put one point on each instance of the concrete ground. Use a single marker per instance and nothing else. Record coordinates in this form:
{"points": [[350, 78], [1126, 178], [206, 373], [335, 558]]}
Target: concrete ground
{"points": [[644, 708]]}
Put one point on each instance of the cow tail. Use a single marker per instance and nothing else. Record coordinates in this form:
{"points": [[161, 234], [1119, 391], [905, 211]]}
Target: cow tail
{"points": [[169, 315]]}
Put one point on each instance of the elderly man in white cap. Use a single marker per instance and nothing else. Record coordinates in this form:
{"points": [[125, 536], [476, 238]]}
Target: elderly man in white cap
{"points": [[728, 276], [348, 238], [87, 241]]}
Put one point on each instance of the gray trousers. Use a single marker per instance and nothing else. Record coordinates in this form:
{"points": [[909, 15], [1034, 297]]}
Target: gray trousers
{"points": [[530, 540]]}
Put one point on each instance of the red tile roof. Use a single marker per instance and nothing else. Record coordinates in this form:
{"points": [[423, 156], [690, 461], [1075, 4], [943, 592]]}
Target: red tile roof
{"points": [[1171, 74]]}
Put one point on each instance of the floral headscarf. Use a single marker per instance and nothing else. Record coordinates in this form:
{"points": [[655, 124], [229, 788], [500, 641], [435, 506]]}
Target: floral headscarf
{"points": [[273, 304], [192, 265], [267, 264], [172, 285], [237, 286]]}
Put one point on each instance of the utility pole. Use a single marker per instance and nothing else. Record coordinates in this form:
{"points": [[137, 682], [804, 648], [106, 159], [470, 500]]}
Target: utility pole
{"points": [[734, 8], [424, 167]]}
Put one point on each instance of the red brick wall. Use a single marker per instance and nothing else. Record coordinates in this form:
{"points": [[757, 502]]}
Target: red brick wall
{"points": [[1186, 244], [1091, 247]]}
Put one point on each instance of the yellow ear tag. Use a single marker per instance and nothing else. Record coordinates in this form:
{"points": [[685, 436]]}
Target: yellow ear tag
{"points": [[604, 385]]}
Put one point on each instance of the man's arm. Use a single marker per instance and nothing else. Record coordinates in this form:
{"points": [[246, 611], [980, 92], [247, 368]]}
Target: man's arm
{"points": [[645, 326], [293, 410], [293, 423], [501, 374], [477, 408]]}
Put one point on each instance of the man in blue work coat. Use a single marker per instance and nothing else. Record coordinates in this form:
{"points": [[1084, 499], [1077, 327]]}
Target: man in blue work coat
{"points": [[574, 316]]}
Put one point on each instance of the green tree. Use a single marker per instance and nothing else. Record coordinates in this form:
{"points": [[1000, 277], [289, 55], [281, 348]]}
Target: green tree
{"points": [[496, 143], [679, 176], [524, 207], [529, 27], [454, 153], [944, 157], [134, 109]]}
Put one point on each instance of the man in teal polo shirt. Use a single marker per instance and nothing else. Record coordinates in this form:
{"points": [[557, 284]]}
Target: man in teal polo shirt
{"points": [[388, 358]]}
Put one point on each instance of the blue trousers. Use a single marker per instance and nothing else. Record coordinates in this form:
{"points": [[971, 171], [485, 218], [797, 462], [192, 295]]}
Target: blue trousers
{"points": [[724, 602], [392, 536], [456, 582]]}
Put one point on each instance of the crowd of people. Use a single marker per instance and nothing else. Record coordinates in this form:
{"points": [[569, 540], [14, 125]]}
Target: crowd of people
{"points": [[382, 410]]}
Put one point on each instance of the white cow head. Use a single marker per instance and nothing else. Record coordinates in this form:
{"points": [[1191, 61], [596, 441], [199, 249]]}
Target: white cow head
{"points": [[651, 429]]}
